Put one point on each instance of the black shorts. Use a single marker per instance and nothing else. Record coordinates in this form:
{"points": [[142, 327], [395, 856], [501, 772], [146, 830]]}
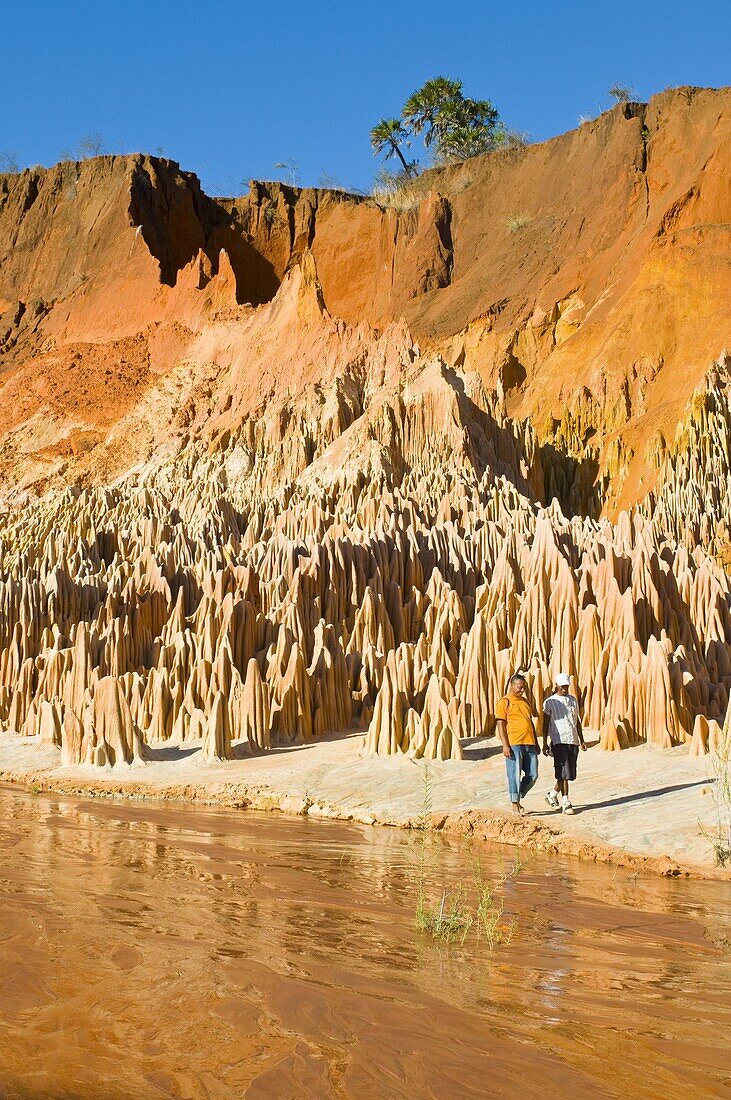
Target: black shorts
{"points": [[564, 761]]}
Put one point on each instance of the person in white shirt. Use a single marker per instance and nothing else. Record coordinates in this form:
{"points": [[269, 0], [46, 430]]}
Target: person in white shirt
{"points": [[561, 723]]}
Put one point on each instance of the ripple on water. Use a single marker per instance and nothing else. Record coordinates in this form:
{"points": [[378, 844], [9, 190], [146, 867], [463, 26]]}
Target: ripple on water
{"points": [[148, 951]]}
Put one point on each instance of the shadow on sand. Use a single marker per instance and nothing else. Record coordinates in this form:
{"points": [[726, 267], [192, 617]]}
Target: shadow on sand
{"points": [[240, 749], [480, 748], [639, 796]]}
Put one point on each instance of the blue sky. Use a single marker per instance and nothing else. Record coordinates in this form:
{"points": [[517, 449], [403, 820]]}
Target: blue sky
{"points": [[229, 87]]}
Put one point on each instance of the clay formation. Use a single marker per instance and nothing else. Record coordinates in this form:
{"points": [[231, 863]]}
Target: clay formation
{"points": [[255, 494]]}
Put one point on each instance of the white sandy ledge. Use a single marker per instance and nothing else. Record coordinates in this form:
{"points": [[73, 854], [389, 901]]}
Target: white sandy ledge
{"points": [[642, 808]]}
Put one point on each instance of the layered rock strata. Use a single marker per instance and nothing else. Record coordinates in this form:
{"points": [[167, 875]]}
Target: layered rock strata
{"points": [[294, 465]]}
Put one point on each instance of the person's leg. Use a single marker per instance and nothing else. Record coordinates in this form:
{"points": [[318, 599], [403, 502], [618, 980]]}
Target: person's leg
{"points": [[552, 795], [512, 771], [530, 769], [558, 769], [572, 755], [568, 772]]}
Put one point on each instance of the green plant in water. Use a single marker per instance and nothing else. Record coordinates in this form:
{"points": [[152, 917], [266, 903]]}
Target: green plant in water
{"points": [[458, 910], [490, 907], [424, 832], [719, 835], [489, 915], [427, 801], [450, 920]]}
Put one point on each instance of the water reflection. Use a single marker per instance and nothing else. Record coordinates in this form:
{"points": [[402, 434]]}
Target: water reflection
{"points": [[150, 951]]}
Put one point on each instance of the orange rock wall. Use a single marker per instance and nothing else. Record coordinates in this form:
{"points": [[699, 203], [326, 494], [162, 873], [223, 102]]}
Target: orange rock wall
{"points": [[298, 462]]}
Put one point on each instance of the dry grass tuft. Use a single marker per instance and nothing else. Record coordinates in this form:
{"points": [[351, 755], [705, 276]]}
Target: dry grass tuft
{"points": [[514, 222]]}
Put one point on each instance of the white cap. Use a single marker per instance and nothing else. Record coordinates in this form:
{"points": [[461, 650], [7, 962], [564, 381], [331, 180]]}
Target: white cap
{"points": [[563, 680]]}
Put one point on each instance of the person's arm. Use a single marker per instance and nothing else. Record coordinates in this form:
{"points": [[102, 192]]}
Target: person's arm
{"points": [[545, 722], [580, 732], [501, 714], [502, 730]]}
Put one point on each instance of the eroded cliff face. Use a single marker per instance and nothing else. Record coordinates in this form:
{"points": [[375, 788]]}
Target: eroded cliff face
{"points": [[280, 465], [585, 279]]}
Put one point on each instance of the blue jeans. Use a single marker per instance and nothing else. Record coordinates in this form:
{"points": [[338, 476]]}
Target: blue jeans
{"points": [[522, 770]]}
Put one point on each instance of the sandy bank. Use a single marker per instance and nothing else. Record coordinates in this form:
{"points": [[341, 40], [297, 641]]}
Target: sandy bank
{"points": [[643, 808]]}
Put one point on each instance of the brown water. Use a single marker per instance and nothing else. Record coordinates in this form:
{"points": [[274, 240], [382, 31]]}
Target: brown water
{"points": [[158, 952]]}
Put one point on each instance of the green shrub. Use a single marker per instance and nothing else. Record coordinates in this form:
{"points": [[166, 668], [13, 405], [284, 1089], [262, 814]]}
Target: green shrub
{"points": [[452, 913], [719, 835], [271, 214]]}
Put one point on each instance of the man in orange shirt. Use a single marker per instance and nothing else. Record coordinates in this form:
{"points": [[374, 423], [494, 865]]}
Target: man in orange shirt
{"points": [[520, 744]]}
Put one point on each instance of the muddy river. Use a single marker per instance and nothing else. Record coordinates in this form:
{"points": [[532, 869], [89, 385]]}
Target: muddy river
{"points": [[150, 951]]}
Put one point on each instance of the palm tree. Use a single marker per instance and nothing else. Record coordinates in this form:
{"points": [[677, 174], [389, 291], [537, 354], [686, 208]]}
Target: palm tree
{"points": [[465, 128], [456, 126], [385, 138], [424, 107]]}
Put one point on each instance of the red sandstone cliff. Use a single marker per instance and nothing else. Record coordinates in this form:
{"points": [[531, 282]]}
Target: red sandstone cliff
{"points": [[294, 463], [586, 279]]}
